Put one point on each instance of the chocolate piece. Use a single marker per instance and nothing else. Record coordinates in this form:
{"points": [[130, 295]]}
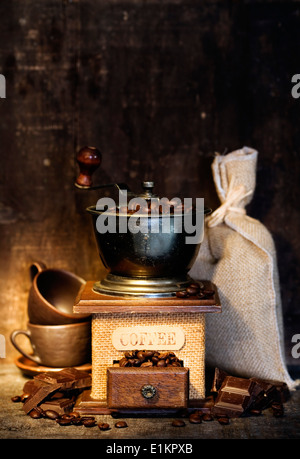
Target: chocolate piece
{"points": [[231, 404], [219, 377], [31, 386], [69, 378], [39, 395], [236, 385], [236, 395], [60, 405], [273, 391]]}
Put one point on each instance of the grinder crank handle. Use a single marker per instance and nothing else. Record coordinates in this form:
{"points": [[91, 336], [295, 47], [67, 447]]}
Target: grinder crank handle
{"points": [[89, 159]]}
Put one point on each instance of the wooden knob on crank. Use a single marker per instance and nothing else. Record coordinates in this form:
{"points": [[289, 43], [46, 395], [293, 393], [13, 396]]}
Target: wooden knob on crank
{"points": [[88, 159]]}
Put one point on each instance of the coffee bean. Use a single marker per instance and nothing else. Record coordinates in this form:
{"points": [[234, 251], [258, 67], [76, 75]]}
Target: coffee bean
{"points": [[123, 362], [66, 416], [16, 399], [277, 409], [195, 418], [64, 422], [192, 291], [161, 363], [24, 397], [208, 293], [201, 295], [74, 414], [77, 421], [35, 414], [182, 294], [194, 285], [147, 364], [103, 426], [163, 356], [223, 420], [141, 356], [89, 422], [128, 354], [148, 354], [207, 417], [51, 414], [121, 424], [178, 423]]}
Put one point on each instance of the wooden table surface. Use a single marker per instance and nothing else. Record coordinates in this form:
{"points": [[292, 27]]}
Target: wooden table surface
{"points": [[15, 424]]}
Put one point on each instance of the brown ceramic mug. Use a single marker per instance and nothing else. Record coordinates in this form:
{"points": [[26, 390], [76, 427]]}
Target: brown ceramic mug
{"points": [[52, 296], [57, 345]]}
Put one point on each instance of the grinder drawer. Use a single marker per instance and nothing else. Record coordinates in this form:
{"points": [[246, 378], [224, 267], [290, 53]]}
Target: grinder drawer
{"points": [[134, 388]]}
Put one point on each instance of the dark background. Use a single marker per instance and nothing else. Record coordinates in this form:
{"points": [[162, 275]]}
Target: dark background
{"points": [[159, 87]]}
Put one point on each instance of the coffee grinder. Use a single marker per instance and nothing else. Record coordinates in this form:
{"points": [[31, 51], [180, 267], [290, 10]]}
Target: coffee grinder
{"points": [[146, 300]]}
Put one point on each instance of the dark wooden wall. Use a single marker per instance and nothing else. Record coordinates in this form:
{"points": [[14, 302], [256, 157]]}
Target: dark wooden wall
{"points": [[159, 87]]}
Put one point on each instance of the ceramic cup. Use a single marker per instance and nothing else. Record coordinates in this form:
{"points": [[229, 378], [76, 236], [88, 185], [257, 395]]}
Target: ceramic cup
{"points": [[57, 345], [52, 296]]}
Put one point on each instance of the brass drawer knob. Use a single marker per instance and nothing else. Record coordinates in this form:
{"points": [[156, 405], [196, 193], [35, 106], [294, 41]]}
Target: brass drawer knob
{"points": [[148, 391]]}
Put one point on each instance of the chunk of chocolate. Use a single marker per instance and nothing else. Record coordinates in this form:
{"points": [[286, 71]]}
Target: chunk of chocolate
{"points": [[39, 395], [69, 378], [273, 391], [231, 404], [31, 386], [219, 377], [235, 396], [61, 405]]}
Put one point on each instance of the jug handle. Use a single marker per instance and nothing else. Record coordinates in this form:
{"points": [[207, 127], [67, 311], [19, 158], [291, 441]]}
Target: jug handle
{"points": [[35, 268], [13, 336]]}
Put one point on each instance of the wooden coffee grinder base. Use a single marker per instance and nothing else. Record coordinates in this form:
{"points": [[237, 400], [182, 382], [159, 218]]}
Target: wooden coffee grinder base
{"points": [[122, 324]]}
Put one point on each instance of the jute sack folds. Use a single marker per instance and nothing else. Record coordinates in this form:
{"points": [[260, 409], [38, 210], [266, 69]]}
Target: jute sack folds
{"points": [[239, 256]]}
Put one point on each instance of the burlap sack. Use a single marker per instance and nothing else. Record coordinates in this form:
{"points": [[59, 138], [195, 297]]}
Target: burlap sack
{"points": [[239, 256]]}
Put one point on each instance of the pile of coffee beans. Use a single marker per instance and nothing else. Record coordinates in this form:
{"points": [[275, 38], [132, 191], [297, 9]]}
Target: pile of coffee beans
{"points": [[69, 418], [195, 290], [154, 207], [197, 416], [149, 359]]}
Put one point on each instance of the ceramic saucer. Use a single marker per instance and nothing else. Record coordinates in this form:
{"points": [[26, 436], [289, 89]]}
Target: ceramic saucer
{"points": [[30, 368]]}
